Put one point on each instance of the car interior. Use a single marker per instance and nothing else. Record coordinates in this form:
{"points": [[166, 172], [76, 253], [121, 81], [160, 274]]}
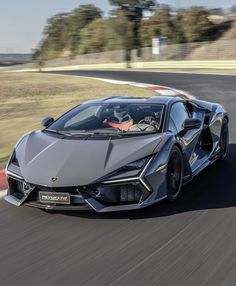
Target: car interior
{"points": [[140, 118]]}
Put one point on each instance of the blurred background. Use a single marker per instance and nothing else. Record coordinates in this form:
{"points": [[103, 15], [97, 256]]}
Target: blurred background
{"points": [[118, 31]]}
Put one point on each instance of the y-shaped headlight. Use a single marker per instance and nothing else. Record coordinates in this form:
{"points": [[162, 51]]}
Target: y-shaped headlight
{"points": [[136, 164]]}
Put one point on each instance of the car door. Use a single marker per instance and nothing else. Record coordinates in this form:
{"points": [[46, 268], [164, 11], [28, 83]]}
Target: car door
{"points": [[187, 138]]}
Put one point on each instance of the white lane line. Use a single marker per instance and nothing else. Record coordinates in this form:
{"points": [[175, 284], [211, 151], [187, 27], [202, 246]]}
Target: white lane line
{"points": [[3, 194], [110, 80]]}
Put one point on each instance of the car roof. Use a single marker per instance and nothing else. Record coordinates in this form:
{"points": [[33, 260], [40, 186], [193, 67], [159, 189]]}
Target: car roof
{"points": [[129, 99]]}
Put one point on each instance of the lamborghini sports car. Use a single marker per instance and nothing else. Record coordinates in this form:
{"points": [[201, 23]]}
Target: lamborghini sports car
{"points": [[117, 153]]}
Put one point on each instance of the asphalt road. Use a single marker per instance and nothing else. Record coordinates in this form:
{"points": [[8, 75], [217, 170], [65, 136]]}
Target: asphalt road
{"points": [[188, 242]]}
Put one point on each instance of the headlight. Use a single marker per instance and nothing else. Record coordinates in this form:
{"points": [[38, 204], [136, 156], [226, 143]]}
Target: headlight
{"points": [[118, 189], [136, 165]]}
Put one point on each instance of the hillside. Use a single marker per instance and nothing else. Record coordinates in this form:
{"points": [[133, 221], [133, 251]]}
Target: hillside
{"points": [[12, 59], [223, 48]]}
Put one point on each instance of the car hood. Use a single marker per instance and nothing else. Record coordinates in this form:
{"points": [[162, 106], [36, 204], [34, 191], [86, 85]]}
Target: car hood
{"points": [[80, 161]]}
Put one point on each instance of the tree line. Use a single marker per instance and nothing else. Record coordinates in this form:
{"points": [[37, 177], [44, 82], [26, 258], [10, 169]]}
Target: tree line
{"points": [[131, 25]]}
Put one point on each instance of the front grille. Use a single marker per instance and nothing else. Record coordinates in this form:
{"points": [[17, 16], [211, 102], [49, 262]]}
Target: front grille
{"points": [[70, 190], [108, 195], [34, 196]]}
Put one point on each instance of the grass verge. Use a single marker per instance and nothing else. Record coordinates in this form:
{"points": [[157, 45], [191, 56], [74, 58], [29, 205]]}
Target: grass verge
{"points": [[26, 98], [225, 67]]}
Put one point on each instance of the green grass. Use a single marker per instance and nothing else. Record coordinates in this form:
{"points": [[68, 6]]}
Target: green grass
{"points": [[26, 98], [227, 67], [201, 66]]}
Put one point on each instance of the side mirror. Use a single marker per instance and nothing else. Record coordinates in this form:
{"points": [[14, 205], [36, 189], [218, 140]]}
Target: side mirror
{"points": [[47, 121], [192, 123]]}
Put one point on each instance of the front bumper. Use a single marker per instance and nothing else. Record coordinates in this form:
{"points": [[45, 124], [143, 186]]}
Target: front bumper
{"points": [[81, 198], [117, 193]]}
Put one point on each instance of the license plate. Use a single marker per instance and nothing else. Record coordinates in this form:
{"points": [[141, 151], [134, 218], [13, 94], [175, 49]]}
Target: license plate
{"points": [[56, 198]]}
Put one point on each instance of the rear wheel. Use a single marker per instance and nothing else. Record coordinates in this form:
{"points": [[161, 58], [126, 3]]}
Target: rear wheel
{"points": [[174, 174], [224, 139]]}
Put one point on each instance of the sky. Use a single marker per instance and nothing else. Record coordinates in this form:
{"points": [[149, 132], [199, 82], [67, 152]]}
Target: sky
{"points": [[22, 22]]}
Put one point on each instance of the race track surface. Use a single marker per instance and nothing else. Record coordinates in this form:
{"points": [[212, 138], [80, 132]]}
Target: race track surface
{"points": [[188, 242]]}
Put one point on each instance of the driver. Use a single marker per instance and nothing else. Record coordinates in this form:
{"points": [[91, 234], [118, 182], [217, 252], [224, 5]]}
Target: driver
{"points": [[120, 119]]}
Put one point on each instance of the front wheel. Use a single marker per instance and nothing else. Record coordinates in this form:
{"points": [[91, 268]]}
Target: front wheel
{"points": [[174, 174]]}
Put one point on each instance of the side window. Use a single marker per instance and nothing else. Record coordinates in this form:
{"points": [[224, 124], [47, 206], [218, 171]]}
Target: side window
{"points": [[178, 114]]}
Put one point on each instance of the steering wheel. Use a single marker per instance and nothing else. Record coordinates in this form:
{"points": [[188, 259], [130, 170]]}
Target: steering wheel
{"points": [[150, 120]]}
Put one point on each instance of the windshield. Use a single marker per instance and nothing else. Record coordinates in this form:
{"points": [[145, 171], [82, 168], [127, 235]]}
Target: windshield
{"points": [[115, 118]]}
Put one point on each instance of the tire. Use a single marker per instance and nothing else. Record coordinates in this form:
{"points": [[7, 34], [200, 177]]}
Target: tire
{"points": [[224, 139], [174, 176]]}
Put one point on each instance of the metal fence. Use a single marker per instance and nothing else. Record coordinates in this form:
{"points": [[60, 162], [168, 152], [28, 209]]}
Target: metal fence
{"points": [[219, 50]]}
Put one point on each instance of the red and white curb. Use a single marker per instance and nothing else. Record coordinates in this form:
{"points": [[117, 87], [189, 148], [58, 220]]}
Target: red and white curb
{"points": [[159, 89], [3, 184]]}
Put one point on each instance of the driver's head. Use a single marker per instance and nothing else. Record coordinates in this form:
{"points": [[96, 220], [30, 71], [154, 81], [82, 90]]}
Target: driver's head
{"points": [[120, 119], [120, 113]]}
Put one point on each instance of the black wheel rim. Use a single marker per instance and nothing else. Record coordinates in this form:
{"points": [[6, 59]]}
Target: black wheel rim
{"points": [[174, 174], [224, 139]]}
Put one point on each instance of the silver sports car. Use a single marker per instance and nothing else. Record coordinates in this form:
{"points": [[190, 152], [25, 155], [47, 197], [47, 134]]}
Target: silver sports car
{"points": [[117, 153]]}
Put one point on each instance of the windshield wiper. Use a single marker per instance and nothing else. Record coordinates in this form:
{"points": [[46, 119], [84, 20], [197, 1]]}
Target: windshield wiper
{"points": [[55, 131], [108, 132], [140, 132], [105, 131], [80, 133]]}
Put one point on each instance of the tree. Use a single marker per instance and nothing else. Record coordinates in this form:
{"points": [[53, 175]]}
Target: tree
{"points": [[194, 24], [159, 25], [62, 33], [85, 31], [98, 36], [124, 30], [81, 17], [133, 10], [179, 35], [55, 36]]}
